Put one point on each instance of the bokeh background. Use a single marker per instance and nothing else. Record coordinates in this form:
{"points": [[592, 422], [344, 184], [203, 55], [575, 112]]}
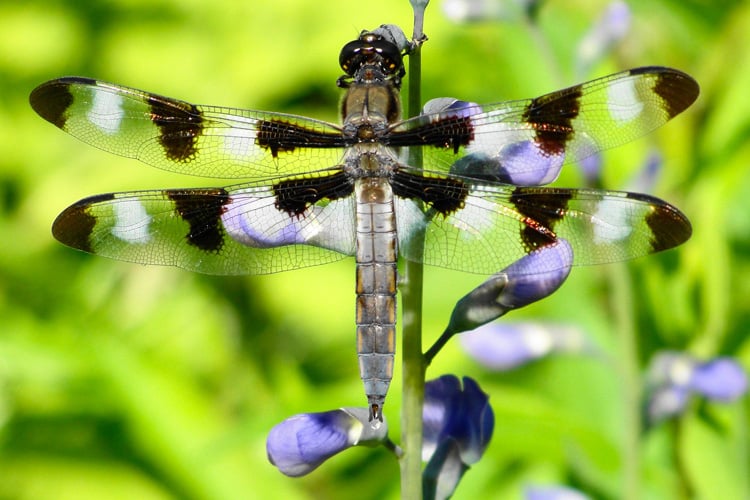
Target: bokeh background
{"points": [[124, 381]]}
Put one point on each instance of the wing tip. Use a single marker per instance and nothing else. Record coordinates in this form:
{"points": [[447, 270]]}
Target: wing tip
{"points": [[670, 227], [52, 99], [677, 89], [74, 226]]}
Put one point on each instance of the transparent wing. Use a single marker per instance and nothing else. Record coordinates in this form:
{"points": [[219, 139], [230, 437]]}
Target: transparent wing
{"points": [[177, 136], [498, 224], [527, 142], [238, 230]]}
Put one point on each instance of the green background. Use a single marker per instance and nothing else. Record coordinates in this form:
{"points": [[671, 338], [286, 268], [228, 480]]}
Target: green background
{"points": [[124, 381]]}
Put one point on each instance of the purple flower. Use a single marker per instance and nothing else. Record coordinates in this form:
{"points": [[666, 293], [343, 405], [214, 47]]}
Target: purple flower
{"points": [[667, 401], [462, 416], [299, 444], [527, 280], [521, 163], [673, 377], [488, 10], [503, 346], [591, 166], [458, 425], [609, 29], [526, 163], [720, 379], [646, 177], [393, 34], [450, 107]]}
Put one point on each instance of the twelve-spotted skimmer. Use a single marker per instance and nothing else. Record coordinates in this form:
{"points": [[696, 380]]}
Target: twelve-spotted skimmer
{"points": [[316, 191]]}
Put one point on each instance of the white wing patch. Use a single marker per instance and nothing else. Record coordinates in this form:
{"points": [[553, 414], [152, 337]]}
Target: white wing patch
{"points": [[623, 101], [131, 222], [106, 112], [477, 216], [241, 139], [491, 130], [239, 143], [618, 226]]}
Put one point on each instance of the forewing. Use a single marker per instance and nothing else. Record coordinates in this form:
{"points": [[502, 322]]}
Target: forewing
{"points": [[175, 135], [526, 142]]}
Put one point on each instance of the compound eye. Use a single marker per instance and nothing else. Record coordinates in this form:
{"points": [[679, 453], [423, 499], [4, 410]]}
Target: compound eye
{"points": [[349, 54], [390, 56], [370, 49]]}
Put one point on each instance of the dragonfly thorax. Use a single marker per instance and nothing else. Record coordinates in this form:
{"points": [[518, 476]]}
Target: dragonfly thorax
{"points": [[368, 110]]}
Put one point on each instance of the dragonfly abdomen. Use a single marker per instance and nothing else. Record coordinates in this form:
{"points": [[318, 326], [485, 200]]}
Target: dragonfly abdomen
{"points": [[376, 256]]}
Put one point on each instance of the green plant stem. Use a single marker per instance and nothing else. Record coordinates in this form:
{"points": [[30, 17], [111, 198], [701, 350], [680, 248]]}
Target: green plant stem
{"points": [[413, 383], [684, 488], [621, 306], [411, 344], [439, 344]]}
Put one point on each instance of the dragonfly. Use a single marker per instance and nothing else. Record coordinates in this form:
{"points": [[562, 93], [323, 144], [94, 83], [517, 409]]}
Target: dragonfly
{"points": [[313, 192]]}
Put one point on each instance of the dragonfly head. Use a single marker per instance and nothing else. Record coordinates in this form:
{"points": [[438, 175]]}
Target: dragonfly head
{"points": [[375, 52]]}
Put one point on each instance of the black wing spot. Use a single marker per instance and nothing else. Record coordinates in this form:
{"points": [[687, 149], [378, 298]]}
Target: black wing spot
{"points": [[294, 196], [542, 210], [669, 227], [677, 91], [51, 100], [445, 195], [551, 116], [180, 124], [282, 136], [450, 132], [74, 226], [202, 210]]}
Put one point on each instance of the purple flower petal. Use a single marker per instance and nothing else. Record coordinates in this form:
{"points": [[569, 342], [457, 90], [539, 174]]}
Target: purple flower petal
{"points": [[527, 164], [441, 396], [720, 379], [645, 179], [299, 444], [450, 107], [537, 275], [610, 28], [520, 163], [456, 414], [666, 402], [443, 471], [671, 368], [674, 376], [591, 166], [503, 346], [462, 11], [527, 280], [475, 432]]}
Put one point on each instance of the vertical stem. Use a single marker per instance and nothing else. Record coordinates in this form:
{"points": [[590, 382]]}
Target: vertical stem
{"points": [[684, 488], [413, 382], [622, 309], [411, 344]]}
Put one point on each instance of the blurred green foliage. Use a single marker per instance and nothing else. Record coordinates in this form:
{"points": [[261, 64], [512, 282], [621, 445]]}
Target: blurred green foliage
{"points": [[122, 381]]}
